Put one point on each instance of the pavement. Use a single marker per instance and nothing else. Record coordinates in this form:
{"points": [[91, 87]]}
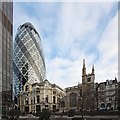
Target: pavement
{"points": [[97, 117], [28, 117]]}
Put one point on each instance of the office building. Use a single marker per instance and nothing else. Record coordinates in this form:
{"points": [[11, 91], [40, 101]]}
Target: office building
{"points": [[6, 41], [28, 59]]}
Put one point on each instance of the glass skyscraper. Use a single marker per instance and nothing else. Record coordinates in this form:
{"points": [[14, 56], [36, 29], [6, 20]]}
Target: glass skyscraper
{"points": [[28, 60], [6, 41]]}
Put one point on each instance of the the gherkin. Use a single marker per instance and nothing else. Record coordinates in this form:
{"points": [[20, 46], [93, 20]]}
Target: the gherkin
{"points": [[28, 59]]}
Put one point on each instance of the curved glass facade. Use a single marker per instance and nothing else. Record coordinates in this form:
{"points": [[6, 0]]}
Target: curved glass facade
{"points": [[28, 61]]}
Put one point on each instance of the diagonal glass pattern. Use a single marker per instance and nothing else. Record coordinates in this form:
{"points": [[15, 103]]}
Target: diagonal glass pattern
{"points": [[28, 57]]}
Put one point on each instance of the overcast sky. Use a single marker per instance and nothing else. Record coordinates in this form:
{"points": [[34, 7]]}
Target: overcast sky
{"points": [[71, 32]]}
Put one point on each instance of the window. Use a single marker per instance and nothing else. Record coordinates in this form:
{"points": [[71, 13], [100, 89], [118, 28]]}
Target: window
{"points": [[62, 104], [46, 99], [26, 101], [38, 99], [38, 107], [34, 100], [73, 99], [102, 87], [26, 88], [31, 101], [110, 87], [110, 99], [54, 99], [46, 106], [89, 79]]}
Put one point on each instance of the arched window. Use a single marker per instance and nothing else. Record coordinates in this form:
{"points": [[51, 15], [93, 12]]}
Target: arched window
{"points": [[108, 106], [102, 105], [62, 104], [73, 99]]}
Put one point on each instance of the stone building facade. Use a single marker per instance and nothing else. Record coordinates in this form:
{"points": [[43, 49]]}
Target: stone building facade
{"points": [[72, 98], [108, 94], [37, 96]]}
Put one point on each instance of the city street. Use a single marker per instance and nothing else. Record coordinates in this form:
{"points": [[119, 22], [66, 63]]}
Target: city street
{"points": [[86, 118]]}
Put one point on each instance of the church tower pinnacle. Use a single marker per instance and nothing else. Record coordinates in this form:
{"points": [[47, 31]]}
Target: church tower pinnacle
{"points": [[84, 72], [87, 78], [93, 70], [84, 68]]}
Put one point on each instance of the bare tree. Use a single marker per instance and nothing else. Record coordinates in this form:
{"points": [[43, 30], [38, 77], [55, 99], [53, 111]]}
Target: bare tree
{"points": [[87, 98]]}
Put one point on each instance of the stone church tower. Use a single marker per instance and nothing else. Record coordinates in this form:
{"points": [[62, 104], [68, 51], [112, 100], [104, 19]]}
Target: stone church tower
{"points": [[87, 78]]}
